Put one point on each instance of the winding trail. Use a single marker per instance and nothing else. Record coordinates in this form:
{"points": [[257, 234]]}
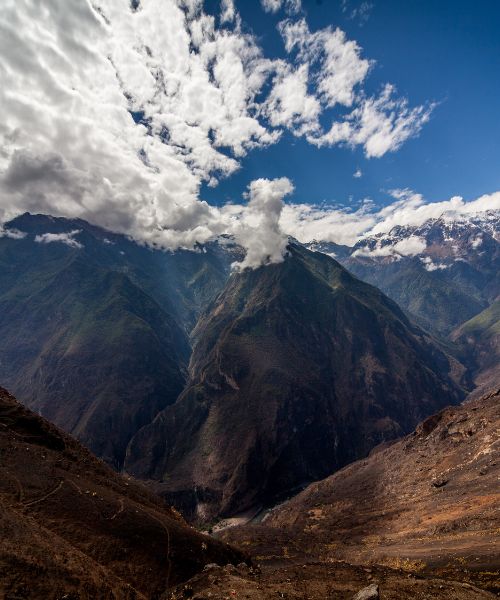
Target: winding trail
{"points": [[45, 496]]}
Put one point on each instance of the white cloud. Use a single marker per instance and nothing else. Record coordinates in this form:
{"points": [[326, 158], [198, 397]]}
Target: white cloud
{"points": [[307, 223], [377, 251], [289, 103], [228, 11], [13, 234], [429, 265], [258, 229], [360, 13], [339, 62], [357, 173], [410, 246], [117, 114], [273, 6], [411, 209], [380, 124], [67, 238]]}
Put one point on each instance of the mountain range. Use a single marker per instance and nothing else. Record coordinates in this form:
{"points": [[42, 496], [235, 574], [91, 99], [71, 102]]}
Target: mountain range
{"points": [[97, 334], [227, 392], [163, 363], [101, 320], [442, 272]]}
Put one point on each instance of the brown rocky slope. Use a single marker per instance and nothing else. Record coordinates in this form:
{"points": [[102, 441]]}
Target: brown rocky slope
{"points": [[72, 528], [428, 504]]}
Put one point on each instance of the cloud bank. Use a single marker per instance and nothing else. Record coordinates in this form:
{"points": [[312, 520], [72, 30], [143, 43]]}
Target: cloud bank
{"points": [[342, 226], [117, 112]]}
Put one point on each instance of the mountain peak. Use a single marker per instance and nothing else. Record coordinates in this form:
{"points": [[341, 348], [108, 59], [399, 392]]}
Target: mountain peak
{"points": [[297, 368]]}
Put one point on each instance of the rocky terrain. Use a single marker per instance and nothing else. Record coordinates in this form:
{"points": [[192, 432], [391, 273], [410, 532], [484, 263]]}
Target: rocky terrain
{"points": [[71, 528], [297, 369], [427, 505], [315, 580]]}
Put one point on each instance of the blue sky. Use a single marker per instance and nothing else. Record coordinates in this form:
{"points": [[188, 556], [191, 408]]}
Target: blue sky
{"points": [[132, 115], [446, 52]]}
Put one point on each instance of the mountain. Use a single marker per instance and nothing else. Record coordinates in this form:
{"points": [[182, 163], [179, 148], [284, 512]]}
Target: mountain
{"points": [[94, 327], [479, 340], [70, 527], [182, 282], [297, 369], [442, 273], [427, 504]]}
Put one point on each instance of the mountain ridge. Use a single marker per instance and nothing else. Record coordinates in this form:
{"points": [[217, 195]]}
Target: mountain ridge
{"points": [[72, 527], [426, 504], [442, 272], [248, 389]]}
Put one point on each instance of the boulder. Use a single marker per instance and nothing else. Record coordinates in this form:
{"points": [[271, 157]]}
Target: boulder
{"points": [[368, 593]]}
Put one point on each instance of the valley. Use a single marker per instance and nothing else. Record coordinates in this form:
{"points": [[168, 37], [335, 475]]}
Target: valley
{"points": [[273, 407], [249, 300]]}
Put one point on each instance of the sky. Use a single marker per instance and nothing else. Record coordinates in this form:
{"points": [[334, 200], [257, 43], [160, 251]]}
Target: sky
{"points": [[446, 52], [177, 120]]}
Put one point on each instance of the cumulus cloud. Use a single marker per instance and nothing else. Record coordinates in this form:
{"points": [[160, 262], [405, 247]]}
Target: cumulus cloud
{"points": [[289, 104], [380, 124], [117, 112], [340, 66], [228, 11], [258, 229], [67, 238], [357, 173]]}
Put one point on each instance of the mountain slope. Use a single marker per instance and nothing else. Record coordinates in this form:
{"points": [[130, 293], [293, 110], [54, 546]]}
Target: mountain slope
{"points": [[72, 528], [297, 369], [429, 297], [442, 272], [429, 503], [182, 282], [426, 505], [92, 352], [94, 327], [479, 339]]}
